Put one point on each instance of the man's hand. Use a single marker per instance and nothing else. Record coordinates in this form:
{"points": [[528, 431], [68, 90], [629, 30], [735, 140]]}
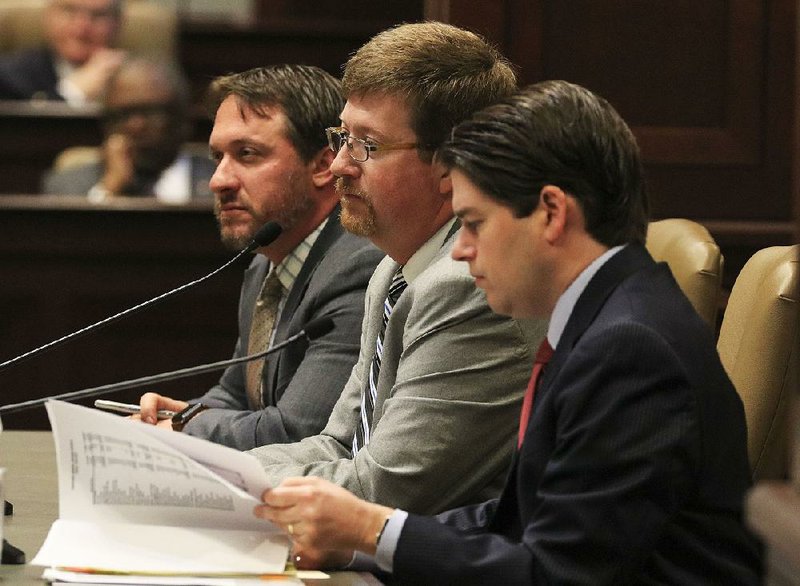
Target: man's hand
{"points": [[150, 403], [118, 157], [325, 521], [91, 77]]}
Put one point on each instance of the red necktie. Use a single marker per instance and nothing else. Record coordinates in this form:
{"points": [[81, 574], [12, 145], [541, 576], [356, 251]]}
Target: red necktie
{"points": [[543, 356]]}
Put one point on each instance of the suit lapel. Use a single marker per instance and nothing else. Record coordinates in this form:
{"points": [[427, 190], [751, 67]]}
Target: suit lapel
{"points": [[508, 516], [329, 234], [619, 267]]}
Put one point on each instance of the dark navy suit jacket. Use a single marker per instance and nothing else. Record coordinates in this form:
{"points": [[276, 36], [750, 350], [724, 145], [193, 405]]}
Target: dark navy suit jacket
{"points": [[634, 465], [28, 74]]}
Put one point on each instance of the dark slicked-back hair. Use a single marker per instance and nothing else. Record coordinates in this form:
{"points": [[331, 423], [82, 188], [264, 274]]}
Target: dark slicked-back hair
{"points": [[446, 73], [556, 133], [310, 98]]}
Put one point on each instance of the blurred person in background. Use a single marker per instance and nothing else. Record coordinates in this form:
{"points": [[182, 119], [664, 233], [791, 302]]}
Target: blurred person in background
{"points": [[145, 110], [75, 63]]}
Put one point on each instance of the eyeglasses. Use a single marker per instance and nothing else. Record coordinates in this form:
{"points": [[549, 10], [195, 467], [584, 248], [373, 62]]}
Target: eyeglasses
{"points": [[358, 148]]}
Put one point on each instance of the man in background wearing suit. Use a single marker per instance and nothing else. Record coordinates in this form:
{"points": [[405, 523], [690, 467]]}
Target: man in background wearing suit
{"points": [[77, 60], [426, 420], [146, 122], [269, 145], [632, 463]]}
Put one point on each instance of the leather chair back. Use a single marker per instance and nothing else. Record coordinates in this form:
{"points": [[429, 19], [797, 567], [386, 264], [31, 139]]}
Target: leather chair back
{"points": [[758, 344], [694, 259]]}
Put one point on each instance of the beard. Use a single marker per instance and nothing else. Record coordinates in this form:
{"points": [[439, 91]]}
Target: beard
{"points": [[294, 204], [361, 222]]}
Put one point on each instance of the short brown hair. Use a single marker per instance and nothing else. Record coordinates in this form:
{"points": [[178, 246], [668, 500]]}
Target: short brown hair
{"points": [[310, 98], [561, 134], [446, 73]]}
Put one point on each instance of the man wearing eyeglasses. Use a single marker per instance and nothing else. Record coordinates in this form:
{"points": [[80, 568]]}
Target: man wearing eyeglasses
{"points": [[77, 59], [428, 416], [145, 113]]}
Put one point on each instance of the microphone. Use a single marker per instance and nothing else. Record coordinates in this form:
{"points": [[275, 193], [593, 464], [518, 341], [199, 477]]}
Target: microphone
{"points": [[265, 236], [315, 328]]}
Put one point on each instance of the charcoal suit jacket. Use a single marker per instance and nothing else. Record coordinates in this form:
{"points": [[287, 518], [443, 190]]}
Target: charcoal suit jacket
{"points": [[302, 382]]}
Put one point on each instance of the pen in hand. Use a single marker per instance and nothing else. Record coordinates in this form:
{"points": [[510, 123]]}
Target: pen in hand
{"points": [[128, 408]]}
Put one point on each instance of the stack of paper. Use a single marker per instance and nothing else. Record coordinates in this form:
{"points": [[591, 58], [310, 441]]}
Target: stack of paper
{"points": [[138, 500]]}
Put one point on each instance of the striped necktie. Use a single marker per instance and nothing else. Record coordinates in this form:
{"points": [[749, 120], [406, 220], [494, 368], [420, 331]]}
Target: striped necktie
{"points": [[370, 393]]}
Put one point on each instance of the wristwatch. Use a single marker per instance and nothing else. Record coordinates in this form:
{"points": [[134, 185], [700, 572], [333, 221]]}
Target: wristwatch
{"points": [[181, 418]]}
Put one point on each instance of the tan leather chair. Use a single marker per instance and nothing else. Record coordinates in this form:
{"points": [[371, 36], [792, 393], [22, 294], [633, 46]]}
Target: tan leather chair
{"points": [[148, 29], [694, 259], [759, 347]]}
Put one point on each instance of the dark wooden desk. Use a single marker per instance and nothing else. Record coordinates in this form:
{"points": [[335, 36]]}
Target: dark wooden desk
{"points": [[33, 133], [31, 484], [65, 263]]}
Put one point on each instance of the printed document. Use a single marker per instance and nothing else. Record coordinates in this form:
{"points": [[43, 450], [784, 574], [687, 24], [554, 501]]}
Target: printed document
{"points": [[139, 499]]}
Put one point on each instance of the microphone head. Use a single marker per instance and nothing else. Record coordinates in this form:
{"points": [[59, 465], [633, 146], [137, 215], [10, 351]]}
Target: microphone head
{"points": [[266, 235], [318, 327]]}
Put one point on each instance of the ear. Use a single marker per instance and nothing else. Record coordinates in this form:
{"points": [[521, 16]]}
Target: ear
{"points": [[553, 201], [321, 167], [442, 175]]}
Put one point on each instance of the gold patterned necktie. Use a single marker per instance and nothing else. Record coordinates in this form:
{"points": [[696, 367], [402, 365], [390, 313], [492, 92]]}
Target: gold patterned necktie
{"points": [[264, 314]]}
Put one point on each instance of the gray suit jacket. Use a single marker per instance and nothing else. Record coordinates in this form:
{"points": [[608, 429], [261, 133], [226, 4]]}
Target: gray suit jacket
{"points": [[79, 180], [452, 378], [302, 382]]}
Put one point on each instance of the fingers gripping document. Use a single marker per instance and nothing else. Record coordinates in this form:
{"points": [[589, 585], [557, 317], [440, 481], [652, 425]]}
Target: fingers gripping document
{"points": [[137, 499]]}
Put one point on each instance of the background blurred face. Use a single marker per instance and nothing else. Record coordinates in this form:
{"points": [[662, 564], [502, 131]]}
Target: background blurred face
{"points": [[140, 105], [504, 253], [78, 28], [260, 177]]}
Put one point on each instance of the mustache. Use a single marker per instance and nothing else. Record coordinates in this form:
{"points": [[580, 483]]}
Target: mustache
{"points": [[344, 186], [222, 199]]}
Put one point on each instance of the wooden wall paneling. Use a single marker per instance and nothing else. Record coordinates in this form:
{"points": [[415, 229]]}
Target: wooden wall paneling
{"points": [[301, 31], [707, 88], [66, 264]]}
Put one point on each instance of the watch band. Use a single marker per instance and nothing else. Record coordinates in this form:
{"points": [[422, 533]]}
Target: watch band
{"points": [[181, 418]]}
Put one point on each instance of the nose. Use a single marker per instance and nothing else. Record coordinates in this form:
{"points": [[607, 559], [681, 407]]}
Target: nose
{"points": [[224, 179], [463, 249], [343, 164]]}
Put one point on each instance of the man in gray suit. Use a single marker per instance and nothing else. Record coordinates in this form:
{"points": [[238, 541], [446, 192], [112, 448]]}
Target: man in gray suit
{"points": [[273, 165], [429, 414], [145, 111]]}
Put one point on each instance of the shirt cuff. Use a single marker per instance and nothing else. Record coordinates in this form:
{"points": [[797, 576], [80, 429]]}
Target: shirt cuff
{"points": [[384, 554], [71, 93]]}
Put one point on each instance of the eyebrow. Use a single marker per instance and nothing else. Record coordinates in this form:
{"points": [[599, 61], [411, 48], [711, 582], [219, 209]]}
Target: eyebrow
{"points": [[461, 212]]}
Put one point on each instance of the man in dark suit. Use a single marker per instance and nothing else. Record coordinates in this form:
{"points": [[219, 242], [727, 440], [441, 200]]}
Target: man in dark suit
{"points": [[273, 165], [76, 60], [632, 463], [146, 123]]}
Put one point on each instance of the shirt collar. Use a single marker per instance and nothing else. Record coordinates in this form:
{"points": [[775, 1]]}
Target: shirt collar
{"points": [[425, 253], [288, 269], [566, 302]]}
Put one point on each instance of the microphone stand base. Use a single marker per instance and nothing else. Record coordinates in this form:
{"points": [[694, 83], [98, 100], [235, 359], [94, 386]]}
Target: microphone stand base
{"points": [[11, 555]]}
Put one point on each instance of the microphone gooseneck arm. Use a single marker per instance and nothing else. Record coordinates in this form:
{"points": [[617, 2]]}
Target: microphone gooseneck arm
{"points": [[314, 329], [268, 233]]}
